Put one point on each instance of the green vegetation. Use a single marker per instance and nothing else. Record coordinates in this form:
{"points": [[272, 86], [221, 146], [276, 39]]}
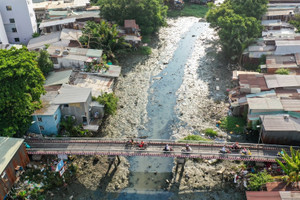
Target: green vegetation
{"points": [[296, 22], [233, 124], [144, 50], [21, 87], [292, 165], [44, 62], [103, 36], [258, 181], [110, 102], [70, 129], [237, 23], [189, 9], [194, 138], [210, 132], [282, 71], [149, 15], [36, 34]]}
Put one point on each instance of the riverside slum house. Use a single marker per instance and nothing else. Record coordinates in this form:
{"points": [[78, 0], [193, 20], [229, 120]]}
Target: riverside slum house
{"points": [[66, 101], [131, 32], [260, 95], [47, 10], [13, 161], [278, 36]]}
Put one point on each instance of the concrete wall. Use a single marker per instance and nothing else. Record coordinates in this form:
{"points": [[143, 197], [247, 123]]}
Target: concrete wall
{"points": [[78, 110], [68, 63], [25, 22], [281, 137], [3, 36], [19, 159], [48, 122]]}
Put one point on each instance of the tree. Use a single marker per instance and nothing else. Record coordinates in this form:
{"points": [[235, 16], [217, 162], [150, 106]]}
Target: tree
{"points": [[69, 128], [102, 36], [282, 71], [149, 15], [249, 8], [21, 87], [292, 165], [110, 102], [296, 22], [44, 62], [236, 30]]}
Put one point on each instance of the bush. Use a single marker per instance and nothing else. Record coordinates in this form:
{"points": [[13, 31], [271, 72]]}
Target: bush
{"points": [[110, 102], [195, 138], [145, 50], [210, 132], [36, 34], [189, 9], [258, 181], [282, 71], [234, 124]]}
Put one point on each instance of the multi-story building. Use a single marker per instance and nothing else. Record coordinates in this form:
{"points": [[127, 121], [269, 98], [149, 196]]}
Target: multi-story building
{"points": [[18, 20]]}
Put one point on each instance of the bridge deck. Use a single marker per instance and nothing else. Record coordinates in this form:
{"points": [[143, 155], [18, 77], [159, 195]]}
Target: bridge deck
{"points": [[94, 146]]}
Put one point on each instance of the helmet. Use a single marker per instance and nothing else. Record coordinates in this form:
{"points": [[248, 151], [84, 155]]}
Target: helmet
{"points": [[187, 145]]}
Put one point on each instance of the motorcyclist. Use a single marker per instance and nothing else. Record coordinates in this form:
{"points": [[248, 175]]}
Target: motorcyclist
{"points": [[236, 146], [245, 151], [142, 144], [167, 148], [223, 150], [188, 148]]}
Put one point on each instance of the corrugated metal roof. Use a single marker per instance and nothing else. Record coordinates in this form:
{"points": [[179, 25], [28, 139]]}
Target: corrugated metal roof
{"points": [[279, 61], [40, 41], [252, 81], [284, 47], [72, 94], [262, 195], [8, 148], [264, 104], [290, 104], [57, 12], [94, 53], [279, 123], [58, 78], [48, 108], [57, 22], [130, 24], [277, 81], [70, 34]]}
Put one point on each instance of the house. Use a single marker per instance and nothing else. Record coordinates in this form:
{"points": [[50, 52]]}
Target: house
{"points": [[14, 159], [282, 81], [68, 57], [17, 21], [74, 101], [280, 129], [64, 38], [46, 120], [49, 26], [58, 78], [274, 195], [275, 62], [132, 33], [283, 15]]}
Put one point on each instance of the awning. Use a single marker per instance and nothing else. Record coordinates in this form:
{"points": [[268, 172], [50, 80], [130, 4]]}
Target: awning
{"points": [[57, 22]]}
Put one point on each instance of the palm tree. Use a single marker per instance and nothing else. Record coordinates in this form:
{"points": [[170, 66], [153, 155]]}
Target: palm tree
{"points": [[292, 165]]}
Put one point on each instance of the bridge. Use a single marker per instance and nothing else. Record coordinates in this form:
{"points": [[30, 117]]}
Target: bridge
{"points": [[118, 147]]}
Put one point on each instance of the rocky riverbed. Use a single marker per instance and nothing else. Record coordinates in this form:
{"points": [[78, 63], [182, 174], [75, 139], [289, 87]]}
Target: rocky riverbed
{"points": [[199, 103]]}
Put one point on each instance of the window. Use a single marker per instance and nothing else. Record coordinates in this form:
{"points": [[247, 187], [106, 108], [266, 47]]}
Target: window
{"points": [[55, 117], [17, 39], [66, 105], [8, 8], [54, 60], [40, 119], [42, 128], [14, 30], [12, 20]]}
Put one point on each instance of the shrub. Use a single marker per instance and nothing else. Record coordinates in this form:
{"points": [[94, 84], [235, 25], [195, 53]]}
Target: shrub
{"points": [[258, 181], [36, 34], [110, 102], [195, 137], [234, 124], [210, 132], [282, 71], [144, 50]]}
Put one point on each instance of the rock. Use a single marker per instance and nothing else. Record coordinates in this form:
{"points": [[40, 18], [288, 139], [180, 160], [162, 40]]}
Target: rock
{"points": [[212, 161], [71, 197]]}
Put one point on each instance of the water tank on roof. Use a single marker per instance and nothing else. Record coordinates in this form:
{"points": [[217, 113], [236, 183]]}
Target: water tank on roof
{"points": [[57, 51], [65, 52]]}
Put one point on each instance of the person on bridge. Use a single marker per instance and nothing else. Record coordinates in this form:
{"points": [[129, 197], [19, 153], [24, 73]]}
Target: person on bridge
{"points": [[142, 144], [223, 150], [188, 148], [236, 146], [167, 148]]}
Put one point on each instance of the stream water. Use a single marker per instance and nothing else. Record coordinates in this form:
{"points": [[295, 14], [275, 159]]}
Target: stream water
{"points": [[148, 174]]}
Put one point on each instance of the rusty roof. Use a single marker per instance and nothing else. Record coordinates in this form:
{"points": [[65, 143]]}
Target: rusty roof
{"points": [[130, 23], [262, 195], [279, 186], [253, 81]]}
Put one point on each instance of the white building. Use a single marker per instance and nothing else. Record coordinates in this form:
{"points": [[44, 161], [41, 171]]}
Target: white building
{"points": [[18, 20], [3, 36]]}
